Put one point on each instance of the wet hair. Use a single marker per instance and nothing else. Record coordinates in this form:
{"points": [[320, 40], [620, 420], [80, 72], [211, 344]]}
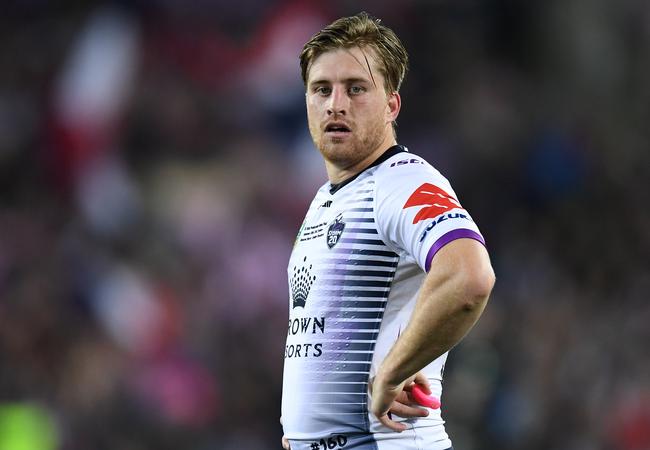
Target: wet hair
{"points": [[363, 31]]}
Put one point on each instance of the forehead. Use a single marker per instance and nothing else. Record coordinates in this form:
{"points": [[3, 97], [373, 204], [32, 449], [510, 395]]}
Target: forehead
{"points": [[345, 63]]}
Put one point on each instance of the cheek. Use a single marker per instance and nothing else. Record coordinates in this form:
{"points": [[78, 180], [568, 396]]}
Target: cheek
{"points": [[376, 114], [312, 111], [312, 120]]}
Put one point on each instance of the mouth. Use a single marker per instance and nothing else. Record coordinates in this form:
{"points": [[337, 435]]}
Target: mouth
{"points": [[337, 129]]}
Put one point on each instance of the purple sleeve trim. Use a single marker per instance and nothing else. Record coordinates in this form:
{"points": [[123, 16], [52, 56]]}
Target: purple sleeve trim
{"points": [[447, 238]]}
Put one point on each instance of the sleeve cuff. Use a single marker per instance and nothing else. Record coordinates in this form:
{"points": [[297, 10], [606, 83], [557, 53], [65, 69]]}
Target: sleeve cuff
{"points": [[446, 239]]}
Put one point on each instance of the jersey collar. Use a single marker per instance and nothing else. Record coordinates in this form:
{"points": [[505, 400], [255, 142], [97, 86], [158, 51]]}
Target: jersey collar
{"points": [[392, 151]]}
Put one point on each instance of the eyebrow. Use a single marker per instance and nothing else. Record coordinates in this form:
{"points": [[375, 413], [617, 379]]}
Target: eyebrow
{"points": [[350, 80]]}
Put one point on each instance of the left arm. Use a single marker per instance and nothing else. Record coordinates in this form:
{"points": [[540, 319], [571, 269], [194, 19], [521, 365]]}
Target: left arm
{"points": [[451, 299]]}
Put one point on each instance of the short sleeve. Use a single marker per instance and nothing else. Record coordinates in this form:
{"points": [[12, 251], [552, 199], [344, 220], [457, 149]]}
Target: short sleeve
{"points": [[417, 211]]}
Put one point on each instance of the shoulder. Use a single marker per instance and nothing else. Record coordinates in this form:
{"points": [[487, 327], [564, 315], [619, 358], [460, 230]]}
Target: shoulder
{"points": [[407, 171]]}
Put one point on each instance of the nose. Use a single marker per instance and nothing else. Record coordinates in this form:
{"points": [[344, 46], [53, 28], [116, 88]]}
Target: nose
{"points": [[338, 101]]}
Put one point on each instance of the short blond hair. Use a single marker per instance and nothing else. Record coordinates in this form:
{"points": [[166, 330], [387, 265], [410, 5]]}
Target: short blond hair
{"points": [[360, 30]]}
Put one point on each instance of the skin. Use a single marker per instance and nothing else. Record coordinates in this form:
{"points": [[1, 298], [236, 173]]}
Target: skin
{"points": [[342, 88], [450, 301]]}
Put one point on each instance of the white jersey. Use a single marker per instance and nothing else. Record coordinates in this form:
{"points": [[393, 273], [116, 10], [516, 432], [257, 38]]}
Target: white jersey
{"points": [[356, 267]]}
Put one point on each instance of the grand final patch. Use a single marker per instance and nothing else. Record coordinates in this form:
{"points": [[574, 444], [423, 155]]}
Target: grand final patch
{"points": [[335, 231]]}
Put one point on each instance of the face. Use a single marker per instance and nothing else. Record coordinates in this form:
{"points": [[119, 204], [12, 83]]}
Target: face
{"points": [[350, 116]]}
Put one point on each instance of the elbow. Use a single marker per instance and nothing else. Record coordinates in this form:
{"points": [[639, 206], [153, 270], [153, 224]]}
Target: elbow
{"points": [[476, 288]]}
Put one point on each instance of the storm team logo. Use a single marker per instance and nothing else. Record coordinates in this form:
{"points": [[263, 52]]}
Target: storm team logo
{"points": [[335, 231], [435, 202], [301, 282]]}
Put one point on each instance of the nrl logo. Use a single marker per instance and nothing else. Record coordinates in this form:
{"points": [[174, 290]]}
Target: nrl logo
{"points": [[335, 231]]}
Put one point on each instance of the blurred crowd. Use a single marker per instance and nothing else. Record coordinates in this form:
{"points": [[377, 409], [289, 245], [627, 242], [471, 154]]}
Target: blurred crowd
{"points": [[155, 166]]}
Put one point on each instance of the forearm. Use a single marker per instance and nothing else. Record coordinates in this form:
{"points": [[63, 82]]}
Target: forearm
{"points": [[449, 303]]}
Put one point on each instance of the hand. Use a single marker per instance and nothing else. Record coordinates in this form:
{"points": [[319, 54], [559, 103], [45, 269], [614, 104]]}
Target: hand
{"points": [[285, 441], [397, 399]]}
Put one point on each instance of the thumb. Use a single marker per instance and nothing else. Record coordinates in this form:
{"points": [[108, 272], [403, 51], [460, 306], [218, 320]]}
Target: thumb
{"points": [[423, 381]]}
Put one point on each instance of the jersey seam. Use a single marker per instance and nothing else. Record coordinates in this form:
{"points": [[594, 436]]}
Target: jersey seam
{"points": [[375, 207], [416, 437]]}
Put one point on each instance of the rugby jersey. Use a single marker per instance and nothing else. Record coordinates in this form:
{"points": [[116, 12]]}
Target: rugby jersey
{"points": [[355, 270]]}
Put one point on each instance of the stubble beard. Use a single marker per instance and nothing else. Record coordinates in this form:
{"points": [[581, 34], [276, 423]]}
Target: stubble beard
{"points": [[344, 154]]}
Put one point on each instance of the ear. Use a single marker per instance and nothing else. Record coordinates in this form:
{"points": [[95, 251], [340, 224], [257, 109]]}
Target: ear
{"points": [[393, 106]]}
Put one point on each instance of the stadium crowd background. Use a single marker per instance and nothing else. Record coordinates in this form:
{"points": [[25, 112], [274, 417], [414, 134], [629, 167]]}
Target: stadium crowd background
{"points": [[155, 166]]}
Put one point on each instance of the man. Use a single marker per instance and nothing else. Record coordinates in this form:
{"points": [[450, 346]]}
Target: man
{"points": [[388, 271]]}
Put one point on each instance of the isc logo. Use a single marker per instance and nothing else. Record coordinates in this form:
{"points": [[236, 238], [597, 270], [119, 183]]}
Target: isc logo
{"points": [[406, 161]]}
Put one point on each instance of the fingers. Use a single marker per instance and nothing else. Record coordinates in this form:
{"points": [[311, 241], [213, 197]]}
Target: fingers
{"points": [[399, 401], [423, 381], [402, 407], [408, 412], [395, 426], [420, 379], [285, 443], [403, 397], [383, 398]]}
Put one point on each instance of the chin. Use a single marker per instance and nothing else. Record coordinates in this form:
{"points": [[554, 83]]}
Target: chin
{"points": [[337, 152]]}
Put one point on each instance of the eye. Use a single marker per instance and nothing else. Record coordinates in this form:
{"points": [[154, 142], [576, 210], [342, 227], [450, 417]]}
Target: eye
{"points": [[356, 90], [323, 90]]}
